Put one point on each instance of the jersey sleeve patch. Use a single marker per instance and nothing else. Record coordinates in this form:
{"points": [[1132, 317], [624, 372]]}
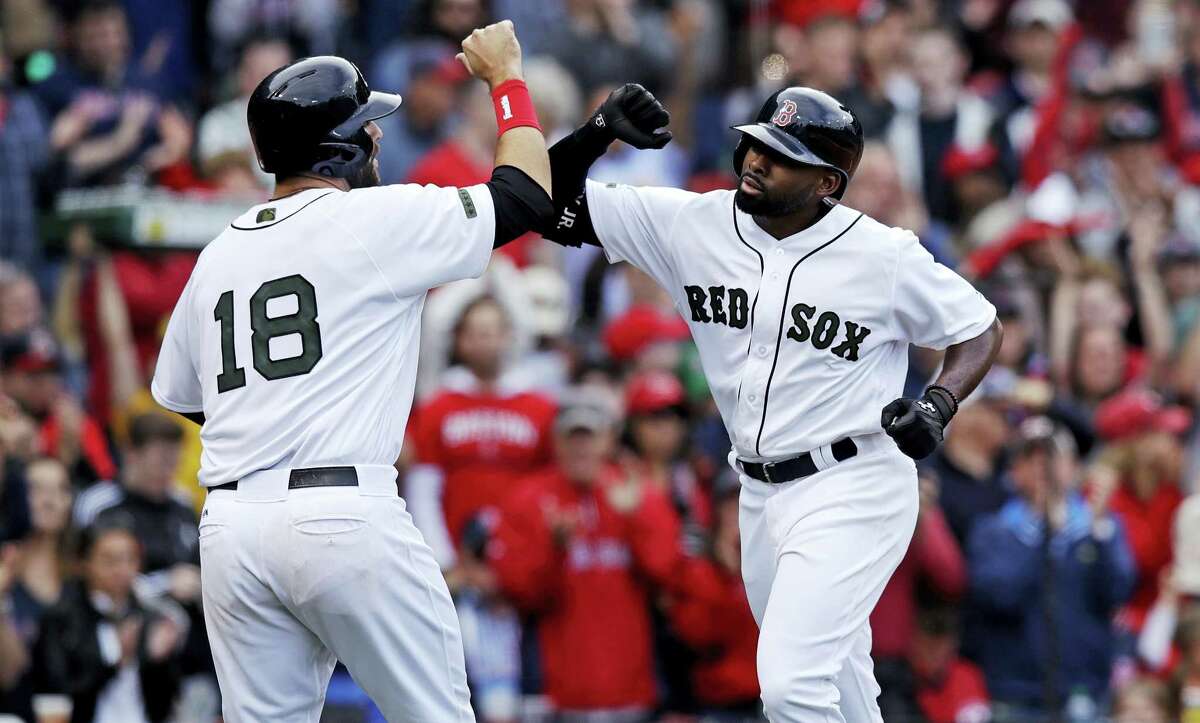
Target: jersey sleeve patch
{"points": [[468, 203]]}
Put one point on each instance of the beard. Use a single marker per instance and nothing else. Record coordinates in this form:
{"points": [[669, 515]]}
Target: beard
{"points": [[772, 204], [365, 177]]}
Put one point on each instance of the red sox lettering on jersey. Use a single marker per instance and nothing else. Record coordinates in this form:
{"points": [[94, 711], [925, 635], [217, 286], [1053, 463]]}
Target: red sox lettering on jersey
{"points": [[804, 339], [731, 306]]}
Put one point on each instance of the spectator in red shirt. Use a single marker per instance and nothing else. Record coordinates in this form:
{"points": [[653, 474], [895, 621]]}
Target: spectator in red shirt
{"points": [[149, 284], [1140, 470], [711, 615], [948, 688], [477, 436], [475, 439], [580, 548], [30, 374], [934, 564]]}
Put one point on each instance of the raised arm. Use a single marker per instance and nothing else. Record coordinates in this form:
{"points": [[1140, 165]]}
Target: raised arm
{"points": [[631, 114], [520, 183]]}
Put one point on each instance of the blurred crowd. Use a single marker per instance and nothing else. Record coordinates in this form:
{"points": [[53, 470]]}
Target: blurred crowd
{"points": [[564, 458]]}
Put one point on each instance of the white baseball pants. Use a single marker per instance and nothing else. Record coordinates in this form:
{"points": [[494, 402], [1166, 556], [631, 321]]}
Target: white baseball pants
{"points": [[816, 555], [295, 580]]}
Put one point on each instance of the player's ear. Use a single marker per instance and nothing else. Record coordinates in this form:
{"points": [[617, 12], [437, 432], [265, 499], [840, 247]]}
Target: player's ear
{"points": [[830, 183]]}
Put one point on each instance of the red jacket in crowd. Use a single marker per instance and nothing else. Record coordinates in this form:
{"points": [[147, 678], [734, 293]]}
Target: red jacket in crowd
{"points": [[1147, 526], [589, 589], [484, 443], [93, 445], [958, 694], [150, 285], [711, 614], [934, 556]]}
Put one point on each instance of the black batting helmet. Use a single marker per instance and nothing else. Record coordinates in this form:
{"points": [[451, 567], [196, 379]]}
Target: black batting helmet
{"points": [[311, 116], [809, 127]]}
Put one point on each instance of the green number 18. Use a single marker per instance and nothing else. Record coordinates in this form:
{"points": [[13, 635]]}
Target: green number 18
{"points": [[265, 328]]}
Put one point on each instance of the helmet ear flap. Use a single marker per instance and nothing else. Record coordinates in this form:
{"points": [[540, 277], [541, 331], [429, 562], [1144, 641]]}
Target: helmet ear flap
{"points": [[339, 160]]}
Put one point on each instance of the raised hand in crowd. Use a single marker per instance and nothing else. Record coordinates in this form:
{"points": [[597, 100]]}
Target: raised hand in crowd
{"points": [[184, 582], [162, 639], [1102, 482], [562, 522], [129, 633], [18, 433]]}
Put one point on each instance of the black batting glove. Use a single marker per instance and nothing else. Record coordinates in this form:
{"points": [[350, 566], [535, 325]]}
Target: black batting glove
{"points": [[632, 114], [917, 424]]}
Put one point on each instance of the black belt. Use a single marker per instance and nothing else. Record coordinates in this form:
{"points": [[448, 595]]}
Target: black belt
{"points": [[786, 470], [311, 477]]}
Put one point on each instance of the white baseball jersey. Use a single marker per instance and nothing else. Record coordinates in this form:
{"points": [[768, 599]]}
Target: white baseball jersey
{"points": [[297, 334], [804, 339]]}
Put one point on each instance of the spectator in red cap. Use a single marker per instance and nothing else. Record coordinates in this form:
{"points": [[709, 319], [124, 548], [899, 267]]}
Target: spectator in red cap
{"points": [[656, 433], [710, 614], [976, 178], [1138, 476], [30, 373], [580, 548], [641, 328]]}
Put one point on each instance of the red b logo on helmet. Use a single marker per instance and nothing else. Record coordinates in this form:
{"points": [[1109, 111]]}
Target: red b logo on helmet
{"points": [[784, 114]]}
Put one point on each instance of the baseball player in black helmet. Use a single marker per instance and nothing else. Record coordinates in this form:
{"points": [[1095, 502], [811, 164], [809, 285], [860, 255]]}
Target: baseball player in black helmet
{"points": [[808, 127], [294, 346], [802, 310], [312, 117]]}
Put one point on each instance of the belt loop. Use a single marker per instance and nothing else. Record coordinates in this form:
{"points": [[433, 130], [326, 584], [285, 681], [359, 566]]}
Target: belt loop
{"points": [[821, 457]]}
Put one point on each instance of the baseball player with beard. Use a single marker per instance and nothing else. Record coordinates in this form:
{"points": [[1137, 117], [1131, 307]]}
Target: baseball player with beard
{"points": [[803, 311]]}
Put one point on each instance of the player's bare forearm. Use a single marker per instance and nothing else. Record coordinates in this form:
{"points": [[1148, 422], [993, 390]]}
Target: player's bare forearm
{"points": [[966, 364], [916, 424], [525, 148], [493, 55]]}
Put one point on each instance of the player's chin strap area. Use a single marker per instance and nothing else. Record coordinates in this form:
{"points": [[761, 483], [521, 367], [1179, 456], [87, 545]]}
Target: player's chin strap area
{"points": [[809, 463]]}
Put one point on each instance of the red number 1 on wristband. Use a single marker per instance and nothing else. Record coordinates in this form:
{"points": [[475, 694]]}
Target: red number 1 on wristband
{"points": [[506, 105]]}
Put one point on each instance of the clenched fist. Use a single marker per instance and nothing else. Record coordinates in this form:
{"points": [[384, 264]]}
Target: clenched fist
{"points": [[917, 424], [632, 114], [493, 54]]}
